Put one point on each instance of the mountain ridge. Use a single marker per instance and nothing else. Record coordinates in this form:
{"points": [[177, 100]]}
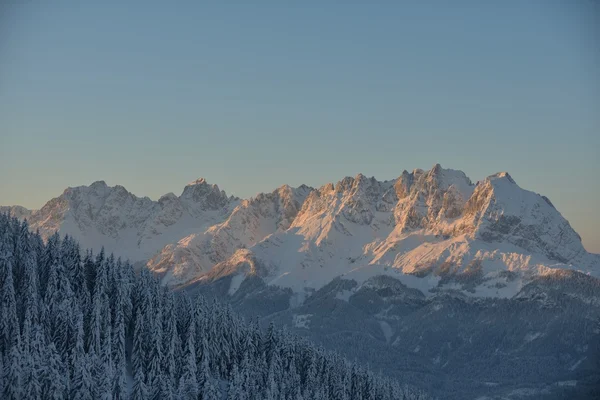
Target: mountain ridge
{"points": [[434, 223]]}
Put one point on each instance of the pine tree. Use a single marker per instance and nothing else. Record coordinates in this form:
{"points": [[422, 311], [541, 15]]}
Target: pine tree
{"points": [[166, 390], [311, 378], [119, 385], [9, 322], [33, 388], [247, 375], [49, 258], [12, 376], [61, 315], [155, 360], [188, 385], [53, 379], [82, 386], [209, 391], [89, 269], [204, 368], [1, 362], [20, 254], [107, 377], [26, 334], [128, 281], [138, 356], [74, 267], [270, 344], [30, 287], [235, 389], [77, 350], [98, 310], [271, 389], [170, 340], [140, 391]]}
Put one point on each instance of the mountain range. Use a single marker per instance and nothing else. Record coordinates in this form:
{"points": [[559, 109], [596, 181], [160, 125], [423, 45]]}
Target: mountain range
{"points": [[432, 229], [469, 290]]}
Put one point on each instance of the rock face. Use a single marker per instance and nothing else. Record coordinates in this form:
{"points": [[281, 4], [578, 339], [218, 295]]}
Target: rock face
{"points": [[427, 199], [200, 197]]}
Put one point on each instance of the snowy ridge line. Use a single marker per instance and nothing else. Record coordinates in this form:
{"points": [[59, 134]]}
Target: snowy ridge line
{"points": [[487, 238]]}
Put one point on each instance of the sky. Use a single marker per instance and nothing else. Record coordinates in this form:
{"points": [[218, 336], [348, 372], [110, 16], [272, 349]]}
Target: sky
{"points": [[151, 96]]}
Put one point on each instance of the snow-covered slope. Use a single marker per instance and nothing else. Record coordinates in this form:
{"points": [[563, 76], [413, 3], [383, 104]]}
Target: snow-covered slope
{"points": [[132, 227]]}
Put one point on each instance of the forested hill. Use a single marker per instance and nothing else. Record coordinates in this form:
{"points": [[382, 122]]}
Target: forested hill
{"points": [[76, 326]]}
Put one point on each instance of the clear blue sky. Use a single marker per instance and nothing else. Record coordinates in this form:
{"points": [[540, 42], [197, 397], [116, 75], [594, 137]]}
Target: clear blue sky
{"points": [[152, 96]]}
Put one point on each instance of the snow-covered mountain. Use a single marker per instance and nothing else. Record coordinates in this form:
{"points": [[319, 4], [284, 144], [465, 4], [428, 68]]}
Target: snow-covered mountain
{"points": [[249, 223], [132, 227], [431, 229]]}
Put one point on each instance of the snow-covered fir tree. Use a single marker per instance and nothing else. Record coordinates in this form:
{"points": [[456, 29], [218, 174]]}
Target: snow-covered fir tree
{"points": [[84, 326]]}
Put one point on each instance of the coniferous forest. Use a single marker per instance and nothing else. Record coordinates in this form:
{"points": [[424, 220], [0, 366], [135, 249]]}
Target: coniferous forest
{"points": [[77, 325]]}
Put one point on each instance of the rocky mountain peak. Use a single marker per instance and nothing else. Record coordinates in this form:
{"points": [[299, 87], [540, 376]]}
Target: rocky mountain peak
{"points": [[98, 185], [501, 211], [167, 198], [205, 195], [328, 187], [404, 183], [428, 198], [437, 168], [502, 175], [199, 181]]}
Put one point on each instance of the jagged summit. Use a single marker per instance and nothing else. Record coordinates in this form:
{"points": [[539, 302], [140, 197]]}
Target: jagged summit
{"points": [[199, 181], [250, 222], [205, 195], [501, 175], [134, 227], [100, 183], [415, 224], [208, 196], [424, 223]]}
